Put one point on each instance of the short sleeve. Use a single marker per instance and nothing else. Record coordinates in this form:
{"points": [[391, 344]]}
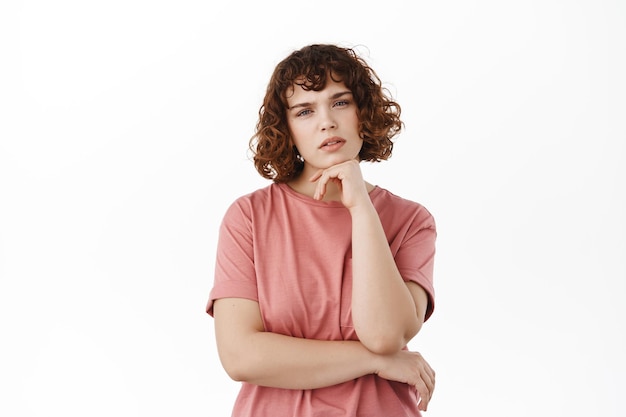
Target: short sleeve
{"points": [[234, 265], [416, 256]]}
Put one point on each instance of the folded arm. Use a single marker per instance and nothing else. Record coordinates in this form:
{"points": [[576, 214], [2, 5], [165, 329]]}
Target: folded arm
{"points": [[249, 353], [387, 311]]}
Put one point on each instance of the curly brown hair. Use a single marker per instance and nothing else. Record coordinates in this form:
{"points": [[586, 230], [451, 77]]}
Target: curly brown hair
{"points": [[274, 154]]}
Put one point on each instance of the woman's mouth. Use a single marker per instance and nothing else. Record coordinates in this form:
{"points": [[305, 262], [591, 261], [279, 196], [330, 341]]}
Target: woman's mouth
{"points": [[331, 144]]}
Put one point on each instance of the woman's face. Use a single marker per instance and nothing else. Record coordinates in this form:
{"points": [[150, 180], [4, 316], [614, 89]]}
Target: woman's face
{"points": [[324, 125]]}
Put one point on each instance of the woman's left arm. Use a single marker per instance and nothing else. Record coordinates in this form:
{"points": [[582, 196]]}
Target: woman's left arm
{"points": [[387, 311]]}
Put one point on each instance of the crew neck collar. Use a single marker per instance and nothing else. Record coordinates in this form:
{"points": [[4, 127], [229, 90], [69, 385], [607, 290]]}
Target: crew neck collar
{"points": [[310, 200]]}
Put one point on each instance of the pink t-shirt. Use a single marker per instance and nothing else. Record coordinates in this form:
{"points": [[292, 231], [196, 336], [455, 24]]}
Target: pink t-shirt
{"points": [[292, 255]]}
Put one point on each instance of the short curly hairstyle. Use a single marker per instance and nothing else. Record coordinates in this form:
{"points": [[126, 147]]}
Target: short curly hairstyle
{"points": [[274, 154]]}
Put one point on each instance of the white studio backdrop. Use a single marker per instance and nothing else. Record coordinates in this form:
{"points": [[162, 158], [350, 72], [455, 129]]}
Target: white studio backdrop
{"points": [[123, 138]]}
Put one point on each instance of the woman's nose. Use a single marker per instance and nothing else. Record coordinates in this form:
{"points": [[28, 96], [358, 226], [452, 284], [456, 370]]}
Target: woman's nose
{"points": [[328, 121]]}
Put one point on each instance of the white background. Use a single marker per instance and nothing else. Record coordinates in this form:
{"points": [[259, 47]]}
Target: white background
{"points": [[124, 128]]}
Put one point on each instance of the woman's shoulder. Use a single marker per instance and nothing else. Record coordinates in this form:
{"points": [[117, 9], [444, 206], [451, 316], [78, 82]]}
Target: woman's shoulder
{"points": [[258, 199], [390, 203], [388, 197], [257, 196]]}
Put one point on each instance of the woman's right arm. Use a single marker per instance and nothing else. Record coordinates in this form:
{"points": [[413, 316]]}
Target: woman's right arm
{"points": [[249, 353]]}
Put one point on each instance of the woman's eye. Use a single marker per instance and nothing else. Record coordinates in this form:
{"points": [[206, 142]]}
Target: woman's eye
{"points": [[342, 103], [303, 113]]}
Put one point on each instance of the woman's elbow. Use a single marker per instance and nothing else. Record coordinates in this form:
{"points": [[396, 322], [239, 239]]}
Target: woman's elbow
{"points": [[387, 343], [413, 330], [235, 361], [237, 370], [383, 346]]}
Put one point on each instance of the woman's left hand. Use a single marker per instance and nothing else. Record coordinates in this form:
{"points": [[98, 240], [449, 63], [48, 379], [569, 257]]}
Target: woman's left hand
{"points": [[349, 180]]}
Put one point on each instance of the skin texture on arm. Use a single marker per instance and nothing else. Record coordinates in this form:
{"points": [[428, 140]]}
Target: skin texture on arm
{"points": [[249, 353]]}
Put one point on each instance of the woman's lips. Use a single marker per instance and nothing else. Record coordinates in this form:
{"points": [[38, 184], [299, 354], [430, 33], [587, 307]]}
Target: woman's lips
{"points": [[332, 144]]}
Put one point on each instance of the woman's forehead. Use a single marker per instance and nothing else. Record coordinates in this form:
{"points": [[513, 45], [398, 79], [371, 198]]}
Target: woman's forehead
{"points": [[299, 88]]}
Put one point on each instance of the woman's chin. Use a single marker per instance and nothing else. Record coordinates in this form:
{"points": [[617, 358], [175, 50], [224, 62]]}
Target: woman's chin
{"points": [[330, 162]]}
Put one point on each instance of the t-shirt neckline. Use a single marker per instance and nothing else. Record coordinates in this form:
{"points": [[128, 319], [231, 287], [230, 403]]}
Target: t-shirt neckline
{"points": [[310, 200]]}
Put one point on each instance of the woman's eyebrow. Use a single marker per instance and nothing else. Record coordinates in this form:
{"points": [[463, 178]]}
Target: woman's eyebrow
{"points": [[339, 94], [333, 97]]}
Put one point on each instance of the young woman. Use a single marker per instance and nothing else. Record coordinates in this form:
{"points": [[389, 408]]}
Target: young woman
{"points": [[322, 278]]}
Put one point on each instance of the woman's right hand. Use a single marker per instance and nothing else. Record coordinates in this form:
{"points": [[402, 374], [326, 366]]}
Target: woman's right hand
{"points": [[410, 368]]}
